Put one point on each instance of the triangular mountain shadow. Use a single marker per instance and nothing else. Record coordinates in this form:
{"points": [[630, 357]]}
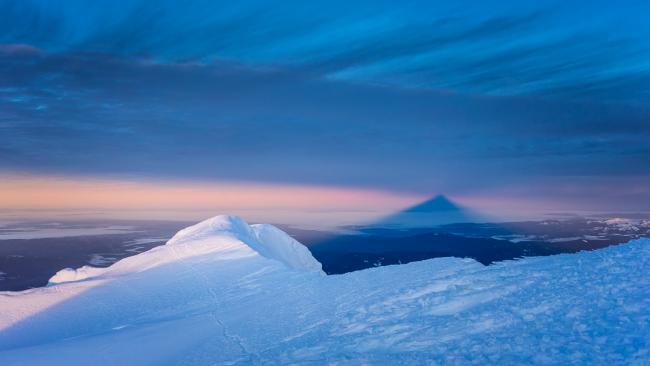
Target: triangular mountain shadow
{"points": [[435, 204], [436, 211], [437, 227]]}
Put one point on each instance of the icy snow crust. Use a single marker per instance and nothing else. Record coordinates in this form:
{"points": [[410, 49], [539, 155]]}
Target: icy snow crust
{"points": [[224, 292]]}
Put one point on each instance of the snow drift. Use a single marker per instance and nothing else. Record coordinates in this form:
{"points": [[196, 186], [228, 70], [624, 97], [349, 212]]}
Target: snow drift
{"points": [[225, 292], [227, 234]]}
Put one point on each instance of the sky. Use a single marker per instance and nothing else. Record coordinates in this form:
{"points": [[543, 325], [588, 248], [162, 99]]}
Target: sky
{"points": [[506, 105]]}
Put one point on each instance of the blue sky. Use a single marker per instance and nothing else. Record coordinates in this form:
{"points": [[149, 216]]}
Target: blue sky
{"points": [[544, 99]]}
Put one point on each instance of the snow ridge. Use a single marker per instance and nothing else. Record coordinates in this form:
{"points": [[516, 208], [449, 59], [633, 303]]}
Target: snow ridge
{"points": [[265, 239], [229, 234]]}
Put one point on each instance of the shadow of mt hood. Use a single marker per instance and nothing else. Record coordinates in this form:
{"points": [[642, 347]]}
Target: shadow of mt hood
{"points": [[436, 211]]}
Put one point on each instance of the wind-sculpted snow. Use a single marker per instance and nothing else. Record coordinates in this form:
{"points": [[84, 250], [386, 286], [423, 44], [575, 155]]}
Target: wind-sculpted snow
{"points": [[224, 292], [227, 234], [266, 240], [71, 275], [276, 244]]}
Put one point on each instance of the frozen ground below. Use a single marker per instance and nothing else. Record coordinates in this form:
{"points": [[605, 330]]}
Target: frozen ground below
{"points": [[224, 292]]}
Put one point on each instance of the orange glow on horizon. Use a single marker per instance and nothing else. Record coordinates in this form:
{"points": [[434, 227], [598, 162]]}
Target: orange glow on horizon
{"points": [[29, 192]]}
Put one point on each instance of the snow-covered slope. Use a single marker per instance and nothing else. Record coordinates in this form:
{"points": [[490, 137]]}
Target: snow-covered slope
{"points": [[224, 292], [228, 235]]}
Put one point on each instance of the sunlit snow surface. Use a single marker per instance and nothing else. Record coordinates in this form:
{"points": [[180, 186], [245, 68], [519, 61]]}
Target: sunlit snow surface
{"points": [[224, 292]]}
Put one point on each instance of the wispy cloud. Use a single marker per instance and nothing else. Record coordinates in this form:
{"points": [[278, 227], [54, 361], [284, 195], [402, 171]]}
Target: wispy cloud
{"points": [[548, 48]]}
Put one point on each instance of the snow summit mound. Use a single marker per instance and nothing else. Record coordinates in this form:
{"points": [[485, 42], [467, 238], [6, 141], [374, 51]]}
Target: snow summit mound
{"points": [[230, 235], [265, 239]]}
